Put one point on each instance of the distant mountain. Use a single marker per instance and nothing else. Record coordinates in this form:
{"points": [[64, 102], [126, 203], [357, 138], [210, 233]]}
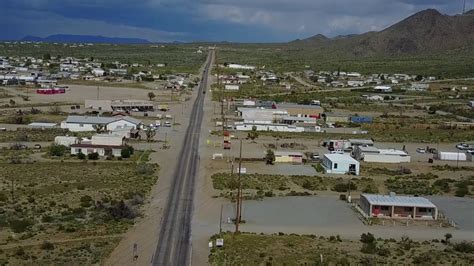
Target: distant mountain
{"points": [[425, 32], [66, 38]]}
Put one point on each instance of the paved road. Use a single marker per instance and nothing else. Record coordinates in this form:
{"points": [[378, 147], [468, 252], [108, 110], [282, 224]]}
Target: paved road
{"points": [[174, 244]]}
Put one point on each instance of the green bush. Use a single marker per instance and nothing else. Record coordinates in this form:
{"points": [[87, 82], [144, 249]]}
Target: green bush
{"points": [[81, 156], [57, 150], [93, 156], [342, 187], [125, 153]]}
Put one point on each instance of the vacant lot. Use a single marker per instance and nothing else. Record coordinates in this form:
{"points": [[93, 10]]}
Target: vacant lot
{"points": [[252, 249], [53, 212]]}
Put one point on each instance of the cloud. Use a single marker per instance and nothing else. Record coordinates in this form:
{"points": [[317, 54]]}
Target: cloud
{"points": [[260, 20], [42, 24]]}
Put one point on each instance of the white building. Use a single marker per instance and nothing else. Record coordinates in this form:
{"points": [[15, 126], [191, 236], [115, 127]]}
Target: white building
{"points": [[268, 127], [262, 116], [355, 83], [104, 145], [90, 123], [383, 88], [237, 66], [98, 72], [232, 87], [340, 164], [65, 140], [375, 155]]}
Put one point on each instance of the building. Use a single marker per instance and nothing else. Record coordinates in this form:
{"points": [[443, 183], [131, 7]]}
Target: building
{"points": [[103, 144], [91, 123], [419, 87], [361, 142], [301, 110], [340, 164], [383, 88], [262, 116], [331, 118], [42, 125], [66, 140], [451, 156], [268, 127], [375, 155], [361, 119], [119, 105], [231, 87], [237, 66], [401, 207], [289, 157]]}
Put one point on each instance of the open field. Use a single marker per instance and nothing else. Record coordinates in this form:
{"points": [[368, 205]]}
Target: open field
{"points": [[58, 211], [281, 249], [283, 57], [178, 58]]}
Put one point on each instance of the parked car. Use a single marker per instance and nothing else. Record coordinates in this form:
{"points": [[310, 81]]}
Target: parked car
{"points": [[421, 150], [37, 147], [315, 156], [338, 151], [3, 129], [167, 124]]}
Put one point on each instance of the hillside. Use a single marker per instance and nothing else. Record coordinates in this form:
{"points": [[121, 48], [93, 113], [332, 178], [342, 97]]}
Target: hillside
{"points": [[425, 32], [66, 38]]}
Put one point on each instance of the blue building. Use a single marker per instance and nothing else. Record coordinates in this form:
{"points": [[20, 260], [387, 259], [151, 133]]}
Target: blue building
{"points": [[361, 119]]}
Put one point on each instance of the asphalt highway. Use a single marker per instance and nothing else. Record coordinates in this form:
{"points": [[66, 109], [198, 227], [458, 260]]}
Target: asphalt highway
{"points": [[174, 242]]}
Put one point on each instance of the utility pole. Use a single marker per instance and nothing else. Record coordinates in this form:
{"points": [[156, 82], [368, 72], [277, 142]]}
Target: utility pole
{"points": [[220, 221], [13, 190], [239, 193], [464, 7], [98, 92]]}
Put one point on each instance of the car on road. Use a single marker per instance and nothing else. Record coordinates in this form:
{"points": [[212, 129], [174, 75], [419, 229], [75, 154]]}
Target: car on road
{"points": [[167, 124], [421, 150], [462, 146], [315, 156]]}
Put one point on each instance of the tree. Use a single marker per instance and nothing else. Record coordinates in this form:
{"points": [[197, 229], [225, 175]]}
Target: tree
{"points": [[150, 134], [270, 157], [253, 134], [418, 77], [447, 237], [57, 150], [47, 56], [151, 96], [99, 128]]}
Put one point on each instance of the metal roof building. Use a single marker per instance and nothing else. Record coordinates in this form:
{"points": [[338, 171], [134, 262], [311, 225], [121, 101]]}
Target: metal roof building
{"points": [[393, 206]]}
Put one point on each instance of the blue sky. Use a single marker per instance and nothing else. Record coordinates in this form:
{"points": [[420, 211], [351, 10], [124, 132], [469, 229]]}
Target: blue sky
{"points": [[208, 20]]}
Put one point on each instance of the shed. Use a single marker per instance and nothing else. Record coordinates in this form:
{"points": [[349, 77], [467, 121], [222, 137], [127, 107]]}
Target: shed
{"points": [[392, 206], [340, 164]]}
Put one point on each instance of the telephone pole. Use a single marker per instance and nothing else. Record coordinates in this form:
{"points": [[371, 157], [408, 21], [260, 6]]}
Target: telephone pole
{"points": [[464, 7], [239, 193]]}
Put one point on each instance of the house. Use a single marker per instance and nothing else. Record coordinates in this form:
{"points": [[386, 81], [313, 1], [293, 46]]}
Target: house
{"points": [[401, 207], [471, 104], [451, 156], [375, 155], [383, 89], [237, 66], [340, 164], [419, 87], [90, 123], [103, 144], [355, 83], [42, 125], [361, 142], [288, 157], [231, 87]]}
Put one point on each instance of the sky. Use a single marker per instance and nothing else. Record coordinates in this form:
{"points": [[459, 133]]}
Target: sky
{"points": [[209, 20]]}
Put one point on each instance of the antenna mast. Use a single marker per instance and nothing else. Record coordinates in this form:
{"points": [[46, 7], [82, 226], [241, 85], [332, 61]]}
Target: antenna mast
{"points": [[464, 7]]}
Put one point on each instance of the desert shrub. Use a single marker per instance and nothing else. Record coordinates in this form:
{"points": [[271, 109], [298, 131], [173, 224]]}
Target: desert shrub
{"points": [[125, 153], [121, 211], [145, 169], [3, 197], [47, 219], [86, 201], [464, 247], [369, 248], [343, 197], [367, 238], [384, 252], [19, 225], [47, 245], [342, 187]]}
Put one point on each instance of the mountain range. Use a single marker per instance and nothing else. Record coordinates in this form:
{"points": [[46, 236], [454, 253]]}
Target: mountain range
{"points": [[427, 31], [67, 38]]}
